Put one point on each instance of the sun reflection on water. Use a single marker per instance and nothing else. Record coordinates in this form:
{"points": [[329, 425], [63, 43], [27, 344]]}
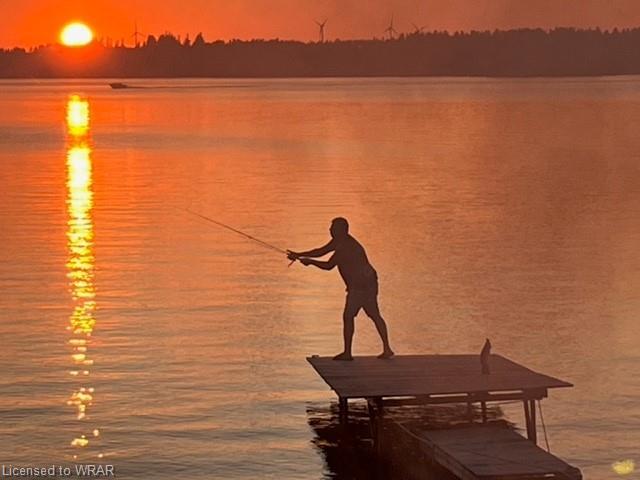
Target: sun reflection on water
{"points": [[80, 262], [77, 116]]}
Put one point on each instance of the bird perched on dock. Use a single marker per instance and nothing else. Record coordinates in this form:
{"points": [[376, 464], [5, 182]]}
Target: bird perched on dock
{"points": [[484, 357]]}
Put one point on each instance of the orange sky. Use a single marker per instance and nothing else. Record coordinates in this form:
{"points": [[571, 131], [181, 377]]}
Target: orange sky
{"points": [[33, 22]]}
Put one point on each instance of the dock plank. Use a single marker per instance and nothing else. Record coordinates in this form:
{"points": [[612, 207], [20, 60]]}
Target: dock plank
{"points": [[492, 452]]}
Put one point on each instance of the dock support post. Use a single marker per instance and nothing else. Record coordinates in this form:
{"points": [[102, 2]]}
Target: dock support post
{"points": [[532, 412], [484, 411], [376, 413], [344, 409], [530, 417]]}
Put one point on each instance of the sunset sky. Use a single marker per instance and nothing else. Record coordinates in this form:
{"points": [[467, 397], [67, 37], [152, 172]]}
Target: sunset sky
{"points": [[33, 22]]}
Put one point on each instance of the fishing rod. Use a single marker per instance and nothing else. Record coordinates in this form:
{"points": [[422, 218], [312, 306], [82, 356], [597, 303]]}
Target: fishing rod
{"points": [[239, 232]]}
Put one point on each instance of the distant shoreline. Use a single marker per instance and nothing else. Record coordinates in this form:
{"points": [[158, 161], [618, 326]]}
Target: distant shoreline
{"points": [[523, 53]]}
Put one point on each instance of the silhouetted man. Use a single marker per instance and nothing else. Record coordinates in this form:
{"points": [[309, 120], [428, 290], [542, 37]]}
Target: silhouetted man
{"points": [[359, 276]]}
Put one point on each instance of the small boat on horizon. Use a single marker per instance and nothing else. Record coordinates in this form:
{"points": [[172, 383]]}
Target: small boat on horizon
{"points": [[120, 85]]}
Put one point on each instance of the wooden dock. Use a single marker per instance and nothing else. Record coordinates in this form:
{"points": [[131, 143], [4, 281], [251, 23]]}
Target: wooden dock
{"points": [[443, 379], [487, 452]]}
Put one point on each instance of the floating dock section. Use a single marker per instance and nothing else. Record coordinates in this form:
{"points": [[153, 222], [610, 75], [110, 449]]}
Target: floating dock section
{"points": [[476, 451]]}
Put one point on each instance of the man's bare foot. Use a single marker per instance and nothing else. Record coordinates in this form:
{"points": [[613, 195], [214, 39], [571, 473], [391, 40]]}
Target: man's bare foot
{"points": [[344, 357], [388, 353]]}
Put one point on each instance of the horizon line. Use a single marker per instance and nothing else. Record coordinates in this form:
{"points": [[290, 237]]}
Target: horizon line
{"points": [[116, 41]]}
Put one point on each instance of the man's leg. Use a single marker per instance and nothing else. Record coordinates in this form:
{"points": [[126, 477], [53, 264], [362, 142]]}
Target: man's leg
{"points": [[372, 309], [351, 309]]}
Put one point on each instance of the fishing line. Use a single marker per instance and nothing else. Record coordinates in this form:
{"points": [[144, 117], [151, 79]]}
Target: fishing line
{"points": [[239, 232]]}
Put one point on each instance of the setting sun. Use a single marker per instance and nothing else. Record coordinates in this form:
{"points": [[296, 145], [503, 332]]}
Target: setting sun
{"points": [[76, 35]]}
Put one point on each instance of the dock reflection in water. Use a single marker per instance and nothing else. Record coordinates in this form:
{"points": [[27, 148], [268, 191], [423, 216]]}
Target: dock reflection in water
{"points": [[80, 266], [348, 449]]}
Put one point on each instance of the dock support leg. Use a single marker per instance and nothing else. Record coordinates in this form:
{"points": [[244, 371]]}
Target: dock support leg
{"points": [[530, 417], [376, 411], [470, 410], [379, 420], [344, 409], [532, 413], [484, 411]]}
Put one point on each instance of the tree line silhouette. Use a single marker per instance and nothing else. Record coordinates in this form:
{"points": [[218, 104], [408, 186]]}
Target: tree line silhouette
{"points": [[517, 53]]}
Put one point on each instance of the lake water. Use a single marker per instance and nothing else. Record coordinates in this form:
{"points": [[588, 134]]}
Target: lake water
{"points": [[137, 335]]}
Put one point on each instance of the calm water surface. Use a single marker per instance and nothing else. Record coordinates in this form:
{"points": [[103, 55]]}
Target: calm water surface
{"points": [[136, 335]]}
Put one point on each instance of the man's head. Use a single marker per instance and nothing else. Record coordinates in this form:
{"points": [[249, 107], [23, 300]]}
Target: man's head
{"points": [[339, 228]]}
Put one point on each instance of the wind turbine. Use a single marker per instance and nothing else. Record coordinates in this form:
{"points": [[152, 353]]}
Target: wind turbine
{"points": [[418, 30], [390, 30], [321, 25], [136, 34]]}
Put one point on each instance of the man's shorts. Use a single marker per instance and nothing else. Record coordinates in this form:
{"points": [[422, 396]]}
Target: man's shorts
{"points": [[362, 298]]}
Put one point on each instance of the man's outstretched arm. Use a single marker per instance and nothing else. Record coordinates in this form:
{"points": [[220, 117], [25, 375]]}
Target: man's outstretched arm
{"points": [[328, 265], [316, 252]]}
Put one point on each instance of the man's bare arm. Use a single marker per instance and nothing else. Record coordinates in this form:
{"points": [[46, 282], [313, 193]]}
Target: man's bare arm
{"points": [[316, 252], [328, 265]]}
